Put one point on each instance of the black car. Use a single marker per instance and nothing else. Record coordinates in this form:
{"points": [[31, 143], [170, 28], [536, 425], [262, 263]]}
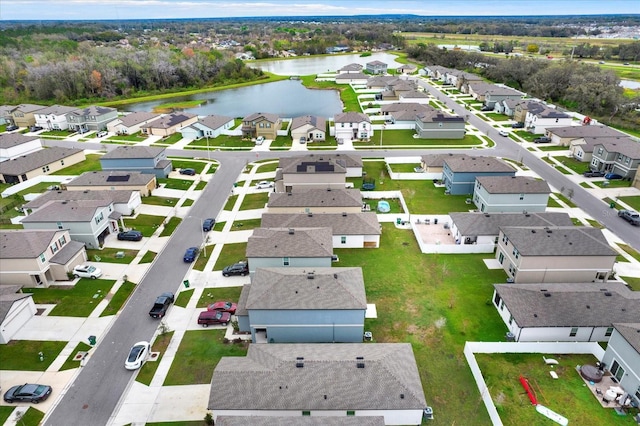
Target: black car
{"points": [[29, 392], [240, 268], [189, 172], [542, 139], [130, 236], [35, 128], [207, 224], [191, 254], [11, 128], [517, 125], [593, 173], [162, 303]]}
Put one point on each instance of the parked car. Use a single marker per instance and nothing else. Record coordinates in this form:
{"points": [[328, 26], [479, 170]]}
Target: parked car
{"points": [[188, 171], [223, 307], [518, 125], [303, 140], [161, 305], [87, 271], [191, 254], [630, 216], [503, 133], [612, 176], [263, 184], [29, 392], [35, 128], [11, 128], [486, 108], [102, 133], [137, 355], [130, 236], [542, 139], [207, 224], [240, 268], [259, 140], [593, 173], [207, 318]]}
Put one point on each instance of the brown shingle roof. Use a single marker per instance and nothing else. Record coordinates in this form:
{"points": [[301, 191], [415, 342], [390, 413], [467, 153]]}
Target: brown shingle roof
{"points": [[558, 241], [464, 163], [317, 198], [301, 242], [513, 185], [365, 223], [24, 244], [35, 160]]}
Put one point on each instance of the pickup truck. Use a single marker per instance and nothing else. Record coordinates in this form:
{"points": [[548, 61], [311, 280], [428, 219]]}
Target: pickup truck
{"points": [[159, 308], [630, 216]]}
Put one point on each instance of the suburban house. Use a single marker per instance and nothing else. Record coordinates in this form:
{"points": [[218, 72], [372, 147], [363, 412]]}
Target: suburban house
{"points": [[555, 254], [540, 117], [169, 124], [397, 89], [434, 163], [112, 180], [507, 107], [316, 201], [144, 159], [622, 357], [91, 118], [352, 68], [33, 258], [499, 93], [522, 108], [42, 162], [406, 69], [352, 78], [382, 82], [303, 305], [311, 127], [438, 125], [53, 117], [261, 124], [302, 247], [376, 67], [461, 79], [321, 380], [125, 202], [14, 145], [350, 126], [88, 221], [5, 114], [310, 172], [511, 194], [404, 112], [351, 162], [484, 228], [582, 149], [23, 115], [131, 123], [16, 308], [415, 96], [621, 157], [565, 312], [459, 172], [210, 126], [350, 230], [565, 135], [249, 420]]}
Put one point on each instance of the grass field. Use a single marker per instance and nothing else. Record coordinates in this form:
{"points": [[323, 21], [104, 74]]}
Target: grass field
{"points": [[118, 299], [23, 354], [147, 224], [90, 164], [108, 254], [74, 301], [146, 373], [71, 362]]}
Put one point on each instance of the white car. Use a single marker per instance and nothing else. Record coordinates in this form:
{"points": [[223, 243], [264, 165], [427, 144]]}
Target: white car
{"points": [[503, 133], [87, 271], [259, 140], [263, 184], [102, 133], [137, 355]]}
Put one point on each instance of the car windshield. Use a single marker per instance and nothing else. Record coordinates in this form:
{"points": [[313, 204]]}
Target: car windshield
{"points": [[40, 389], [135, 352], [219, 315], [91, 269], [227, 305]]}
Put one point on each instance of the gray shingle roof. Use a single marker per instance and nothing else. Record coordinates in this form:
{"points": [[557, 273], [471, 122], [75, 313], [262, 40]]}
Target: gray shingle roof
{"points": [[594, 131], [365, 223], [437, 116], [300, 421], [27, 108], [317, 198], [272, 118], [138, 117], [352, 76], [268, 379], [9, 140], [66, 211], [406, 106], [351, 67], [214, 121], [465, 163], [312, 120], [24, 244], [66, 253], [92, 110], [351, 117], [624, 146], [437, 160], [9, 294], [558, 241], [344, 161], [170, 120], [513, 185], [570, 304], [35, 160], [630, 332], [56, 110], [119, 196], [301, 242], [137, 151], [99, 178], [544, 111], [307, 288], [489, 224]]}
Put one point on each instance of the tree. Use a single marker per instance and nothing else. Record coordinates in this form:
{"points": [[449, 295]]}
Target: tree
{"points": [[533, 48], [95, 82]]}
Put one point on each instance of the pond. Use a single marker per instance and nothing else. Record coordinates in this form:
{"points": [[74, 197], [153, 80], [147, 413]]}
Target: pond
{"points": [[286, 98], [321, 64]]}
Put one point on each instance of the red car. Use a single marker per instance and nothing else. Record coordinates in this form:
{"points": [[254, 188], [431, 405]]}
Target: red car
{"points": [[207, 318], [223, 307]]}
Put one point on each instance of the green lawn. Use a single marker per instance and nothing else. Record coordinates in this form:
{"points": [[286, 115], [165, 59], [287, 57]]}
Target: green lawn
{"points": [[108, 254], [281, 143], [255, 201], [170, 140], [404, 167], [210, 295], [5, 410], [136, 137], [567, 396], [119, 298], [147, 224], [243, 225], [188, 201], [148, 370], [72, 301], [617, 183], [154, 200], [183, 298], [230, 254], [553, 203], [37, 188], [405, 138], [552, 148], [171, 225], [633, 282], [573, 164], [198, 355], [32, 417], [631, 251], [179, 163], [148, 257], [201, 261], [271, 166], [90, 164], [223, 142], [71, 362], [565, 199], [633, 201], [200, 186], [23, 354], [182, 184]]}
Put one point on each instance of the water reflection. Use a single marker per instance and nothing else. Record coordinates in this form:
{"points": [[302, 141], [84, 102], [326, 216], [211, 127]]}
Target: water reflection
{"points": [[321, 64]]}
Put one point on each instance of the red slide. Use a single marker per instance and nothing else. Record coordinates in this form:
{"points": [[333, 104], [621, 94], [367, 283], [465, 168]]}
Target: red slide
{"points": [[527, 387]]}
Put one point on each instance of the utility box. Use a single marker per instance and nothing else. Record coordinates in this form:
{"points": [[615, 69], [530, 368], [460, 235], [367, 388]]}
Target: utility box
{"points": [[92, 340], [186, 283]]}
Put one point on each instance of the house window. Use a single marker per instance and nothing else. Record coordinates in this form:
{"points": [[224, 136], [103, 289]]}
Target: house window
{"points": [[497, 299], [600, 150], [521, 196], [505, 240], [43, 258], [351, 413], [99, 218], [573, 332], [62, 162], [45, 169], [501, 257], [512, 269], [306, 413], [343, 240], [609, 332], [59, 224], [342, 125], [638, 393], [62, 241], [516, 253], [285, 261], [510, 319], [54, 248], [617, 371]]}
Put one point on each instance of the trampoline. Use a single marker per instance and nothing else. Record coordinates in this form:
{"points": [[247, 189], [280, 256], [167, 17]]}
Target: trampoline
{"points": [[591, 373]]}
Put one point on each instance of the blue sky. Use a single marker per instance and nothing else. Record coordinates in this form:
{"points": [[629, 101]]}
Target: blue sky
{"points": [[149, 9]]}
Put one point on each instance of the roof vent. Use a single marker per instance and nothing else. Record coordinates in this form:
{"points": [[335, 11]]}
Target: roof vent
{"points": [[549, 231], [544, 289], [360, 361], [547, 295], [487, 215], [310, 214], [344, 214], [291, 231], [588, 307], [335, 276], [310, 275], [533, 231], [535, 315], [401, 396], [329, 189], [608, 294], [299, 362], [289, 194], [603, 289]]}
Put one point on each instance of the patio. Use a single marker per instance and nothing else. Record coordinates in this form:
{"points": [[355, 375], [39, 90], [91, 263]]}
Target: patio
{"points": [[599, 391]]}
